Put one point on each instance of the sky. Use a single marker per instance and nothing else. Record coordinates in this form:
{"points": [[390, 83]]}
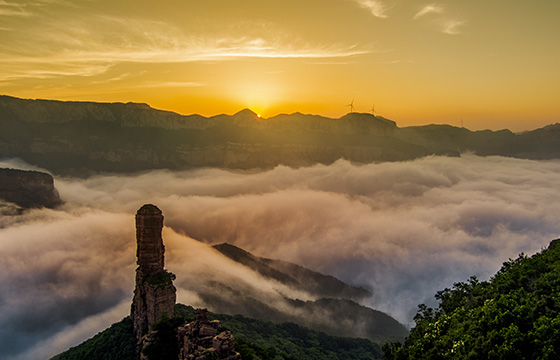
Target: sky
{"points": [[481, 64], [402, 229]]}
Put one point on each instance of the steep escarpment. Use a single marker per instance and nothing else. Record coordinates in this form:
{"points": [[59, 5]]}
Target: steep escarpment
{"points": [[28, 189]]}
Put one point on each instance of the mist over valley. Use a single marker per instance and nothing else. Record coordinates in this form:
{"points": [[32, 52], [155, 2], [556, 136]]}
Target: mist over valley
{"points": [[401, 230]]}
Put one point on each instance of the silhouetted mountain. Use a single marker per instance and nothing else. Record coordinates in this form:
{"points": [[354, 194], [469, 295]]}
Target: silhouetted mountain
{"points": [[83, 137]]}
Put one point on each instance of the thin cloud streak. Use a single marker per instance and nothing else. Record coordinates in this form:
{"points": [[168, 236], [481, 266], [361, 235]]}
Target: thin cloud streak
{"points": [[452, 27], [376, 7], [83, 50], [89, 64], [429, 9], [10, 12], [87, 45]]}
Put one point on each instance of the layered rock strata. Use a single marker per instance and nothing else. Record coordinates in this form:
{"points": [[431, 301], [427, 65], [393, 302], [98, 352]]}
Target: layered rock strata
{"points": [[28, 189], [155, 293]]}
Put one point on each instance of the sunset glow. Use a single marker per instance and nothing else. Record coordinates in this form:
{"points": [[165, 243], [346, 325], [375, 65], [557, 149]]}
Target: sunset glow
{"points": [[492, 65]]}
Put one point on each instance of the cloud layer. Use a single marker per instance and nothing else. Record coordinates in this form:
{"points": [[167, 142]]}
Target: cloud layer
{"points": [[404, 230]]}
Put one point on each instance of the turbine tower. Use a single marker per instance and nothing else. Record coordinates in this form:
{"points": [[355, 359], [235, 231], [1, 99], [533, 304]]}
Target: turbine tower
{"points": [[372, 111], [351, 105]]}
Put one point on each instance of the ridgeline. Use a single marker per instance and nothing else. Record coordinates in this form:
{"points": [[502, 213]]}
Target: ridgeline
{"points": [[81, 138]]}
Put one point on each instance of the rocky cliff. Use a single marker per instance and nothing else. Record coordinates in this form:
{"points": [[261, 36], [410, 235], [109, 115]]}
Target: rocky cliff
{"points": [[153, 305], [28, 189]]}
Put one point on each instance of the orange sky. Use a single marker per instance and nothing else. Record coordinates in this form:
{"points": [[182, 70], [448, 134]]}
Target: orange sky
{"points": [[491, 64]]}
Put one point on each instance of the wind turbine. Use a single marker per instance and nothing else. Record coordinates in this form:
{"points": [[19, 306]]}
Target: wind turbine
{"points": [[351, 106], [372, 111]]}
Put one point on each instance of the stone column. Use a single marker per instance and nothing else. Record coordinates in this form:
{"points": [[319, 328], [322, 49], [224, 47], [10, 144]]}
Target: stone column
{"points": [[150, 249], [154, 294]]}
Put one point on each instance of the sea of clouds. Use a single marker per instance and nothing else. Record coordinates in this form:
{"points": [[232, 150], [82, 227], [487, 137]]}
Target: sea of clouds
{"points": [[404, 230]]}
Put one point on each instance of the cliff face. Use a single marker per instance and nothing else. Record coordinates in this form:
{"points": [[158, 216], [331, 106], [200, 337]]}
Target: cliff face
{"points": [[154, 294], [28, 189], [153, 305]]}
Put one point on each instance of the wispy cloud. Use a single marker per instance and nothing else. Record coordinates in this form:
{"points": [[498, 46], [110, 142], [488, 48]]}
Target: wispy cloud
{"points": [[443, 21], [452, 27], [376, 7], [89, 46], [13, 11], [429, 9], [178, 84]]}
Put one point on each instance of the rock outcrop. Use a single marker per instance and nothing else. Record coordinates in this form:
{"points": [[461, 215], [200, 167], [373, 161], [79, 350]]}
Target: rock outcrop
{"points": [[28, 189], [154, 294], [203, 340], [154, 302]]}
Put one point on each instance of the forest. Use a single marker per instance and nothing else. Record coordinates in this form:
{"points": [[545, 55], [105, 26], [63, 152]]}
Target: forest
{"points": [[514, 315]]}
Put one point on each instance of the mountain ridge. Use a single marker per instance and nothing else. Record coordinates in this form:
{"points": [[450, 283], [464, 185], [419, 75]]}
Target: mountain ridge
{"points": [[84, 138], [294, 275]]}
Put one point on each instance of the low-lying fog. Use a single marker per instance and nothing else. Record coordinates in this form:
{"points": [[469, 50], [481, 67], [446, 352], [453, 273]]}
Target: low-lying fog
{"points": [[404, 230]]}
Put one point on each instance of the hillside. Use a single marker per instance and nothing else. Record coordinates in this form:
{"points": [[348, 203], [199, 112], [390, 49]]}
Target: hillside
{"points": [[334, 309], [255, 339], [80, 138], [294, 275], [514, 315]]}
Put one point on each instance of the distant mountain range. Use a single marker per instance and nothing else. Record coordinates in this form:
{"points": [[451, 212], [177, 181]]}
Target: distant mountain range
{"points": [[81, 138]]}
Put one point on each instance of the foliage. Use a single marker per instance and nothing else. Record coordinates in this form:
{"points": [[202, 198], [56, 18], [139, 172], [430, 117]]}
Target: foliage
{"points": [[115, 343], [258, 339], [163, 345], [515, 315], [254, 339], [161, 278]]}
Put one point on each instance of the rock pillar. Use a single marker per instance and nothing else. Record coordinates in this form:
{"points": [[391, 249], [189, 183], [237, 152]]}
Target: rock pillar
{"points": [[154, 294], [150, 249]]}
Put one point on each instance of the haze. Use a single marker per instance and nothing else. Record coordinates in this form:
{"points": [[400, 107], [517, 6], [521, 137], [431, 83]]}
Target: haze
{"points": [[403, 229], [478, 63]]}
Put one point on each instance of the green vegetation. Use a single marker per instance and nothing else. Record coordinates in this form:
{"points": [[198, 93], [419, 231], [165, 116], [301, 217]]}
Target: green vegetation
{"points": [[163, 344], [515, 315], [115, 343], [257, 339], [161, 278]]}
